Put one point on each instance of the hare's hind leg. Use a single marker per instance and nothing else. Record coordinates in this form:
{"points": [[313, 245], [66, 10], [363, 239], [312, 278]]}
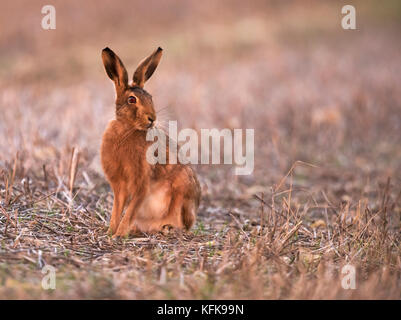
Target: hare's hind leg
{"points": [[181, 213], [188, 213], [173, 217]]}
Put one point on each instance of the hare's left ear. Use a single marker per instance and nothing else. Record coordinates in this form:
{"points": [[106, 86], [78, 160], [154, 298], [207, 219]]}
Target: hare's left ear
{"points": [[146, 68]]}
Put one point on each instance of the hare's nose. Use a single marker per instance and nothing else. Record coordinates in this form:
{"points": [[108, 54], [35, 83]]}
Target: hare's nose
{"points": [[151, 121]]}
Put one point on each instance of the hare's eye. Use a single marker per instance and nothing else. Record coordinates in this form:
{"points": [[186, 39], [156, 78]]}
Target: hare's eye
{"points": [[131, 99]]}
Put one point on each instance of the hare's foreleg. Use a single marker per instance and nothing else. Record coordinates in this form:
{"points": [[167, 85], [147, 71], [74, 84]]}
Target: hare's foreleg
{"points": [[120, 198], [129, 216]]}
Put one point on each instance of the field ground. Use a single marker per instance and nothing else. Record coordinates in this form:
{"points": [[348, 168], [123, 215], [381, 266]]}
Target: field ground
{"points": [[325, 104]]}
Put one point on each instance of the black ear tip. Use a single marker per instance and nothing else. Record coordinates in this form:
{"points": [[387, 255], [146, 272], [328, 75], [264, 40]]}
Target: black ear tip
{"points": [[159, 49], [107, 49]]}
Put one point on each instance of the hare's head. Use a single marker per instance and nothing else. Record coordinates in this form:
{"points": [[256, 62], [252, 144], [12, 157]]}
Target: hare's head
{"points": [[133, 103]]}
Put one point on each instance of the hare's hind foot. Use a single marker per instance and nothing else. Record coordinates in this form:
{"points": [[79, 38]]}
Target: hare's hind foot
{"points": [[168, 230]]}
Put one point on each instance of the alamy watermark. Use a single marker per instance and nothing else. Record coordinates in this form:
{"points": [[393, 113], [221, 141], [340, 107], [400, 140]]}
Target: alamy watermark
{"points": [[49, 20], [349, 279], [236, 149], [349, 20], [49, 280]]}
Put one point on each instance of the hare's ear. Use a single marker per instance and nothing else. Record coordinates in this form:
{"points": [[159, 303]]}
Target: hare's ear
{"points": [[115, 68], [146, 68]]}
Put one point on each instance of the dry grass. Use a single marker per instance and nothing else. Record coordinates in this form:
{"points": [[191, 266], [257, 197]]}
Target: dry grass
{"points": [[326, 108]]}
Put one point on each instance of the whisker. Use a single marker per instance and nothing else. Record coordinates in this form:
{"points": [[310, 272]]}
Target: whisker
{"points": [[166, 107], [164, 113], [126, 136]]}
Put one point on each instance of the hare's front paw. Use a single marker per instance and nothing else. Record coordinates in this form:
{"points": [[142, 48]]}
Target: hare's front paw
{"points": [[122, 231], [111, 231], [112, 228]]}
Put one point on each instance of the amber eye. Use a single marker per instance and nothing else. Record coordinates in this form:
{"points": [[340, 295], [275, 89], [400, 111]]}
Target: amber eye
{"points": [[131, 99]]}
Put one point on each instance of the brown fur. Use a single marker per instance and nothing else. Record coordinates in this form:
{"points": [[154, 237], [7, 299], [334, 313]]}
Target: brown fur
{"points": [[152, 195]]}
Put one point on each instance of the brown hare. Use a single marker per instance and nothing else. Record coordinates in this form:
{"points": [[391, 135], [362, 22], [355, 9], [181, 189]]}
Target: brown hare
{"points": [[153, 196]]}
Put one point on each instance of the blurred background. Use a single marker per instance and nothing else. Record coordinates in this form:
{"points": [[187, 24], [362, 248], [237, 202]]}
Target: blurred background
{"points": [[312, 91]]}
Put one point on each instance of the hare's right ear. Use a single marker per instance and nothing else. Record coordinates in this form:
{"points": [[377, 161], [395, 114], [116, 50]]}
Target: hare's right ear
{"points": [[115, 68]]}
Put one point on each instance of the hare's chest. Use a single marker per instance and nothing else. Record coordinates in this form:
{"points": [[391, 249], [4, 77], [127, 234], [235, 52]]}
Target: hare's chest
{"points": [[123, 155]]}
